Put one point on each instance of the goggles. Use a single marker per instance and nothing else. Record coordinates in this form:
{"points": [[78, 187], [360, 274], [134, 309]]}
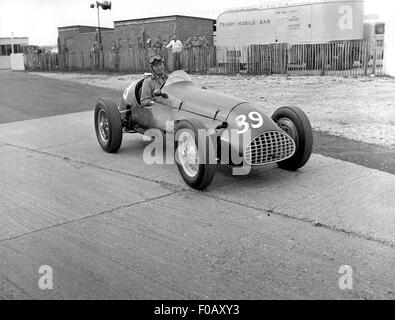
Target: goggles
{"points": [[154, 58]]}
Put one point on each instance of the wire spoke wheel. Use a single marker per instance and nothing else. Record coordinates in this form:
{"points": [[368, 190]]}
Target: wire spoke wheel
{"points": [[108, 125], [188, 154], [192, 162], [103, 125]]}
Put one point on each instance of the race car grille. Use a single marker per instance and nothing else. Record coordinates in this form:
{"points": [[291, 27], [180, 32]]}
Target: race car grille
{"points": [[269, 147]]}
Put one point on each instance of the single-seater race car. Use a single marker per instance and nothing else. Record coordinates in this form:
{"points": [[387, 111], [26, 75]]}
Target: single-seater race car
{"points": [[236, 132]]}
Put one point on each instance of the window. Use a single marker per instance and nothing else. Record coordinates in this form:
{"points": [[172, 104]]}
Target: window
{"points": [[379, 28], [8, 49], [17, 48]]}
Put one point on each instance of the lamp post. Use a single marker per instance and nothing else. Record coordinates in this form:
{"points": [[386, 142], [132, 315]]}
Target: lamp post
{"points": [[106, 5]]}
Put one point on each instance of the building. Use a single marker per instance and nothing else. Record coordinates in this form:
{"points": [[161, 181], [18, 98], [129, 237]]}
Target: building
{"points": [[142, 33], [135, 33], [374, 31], [81, 38], [389, 48], [6, 45]]}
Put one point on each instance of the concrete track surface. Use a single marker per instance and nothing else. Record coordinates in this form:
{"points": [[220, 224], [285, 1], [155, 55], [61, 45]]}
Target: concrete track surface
{"points": [[113, 227]]}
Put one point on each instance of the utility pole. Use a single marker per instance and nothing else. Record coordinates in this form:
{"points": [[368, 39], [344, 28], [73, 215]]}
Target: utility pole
{"points": [[12, 42]]}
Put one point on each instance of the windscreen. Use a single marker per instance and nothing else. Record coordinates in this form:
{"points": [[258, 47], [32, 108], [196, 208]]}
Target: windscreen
{"points": [[178, 76]]}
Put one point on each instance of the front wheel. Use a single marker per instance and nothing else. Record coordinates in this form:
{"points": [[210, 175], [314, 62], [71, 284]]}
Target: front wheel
{"points": [[296, 124], [108, 125], [192, 162]]}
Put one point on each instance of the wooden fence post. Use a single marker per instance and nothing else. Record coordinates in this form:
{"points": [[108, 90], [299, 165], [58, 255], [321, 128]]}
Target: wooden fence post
{"points": [[323, 53], [83, 61], [374, 60], [366, 58], [287, 49]]}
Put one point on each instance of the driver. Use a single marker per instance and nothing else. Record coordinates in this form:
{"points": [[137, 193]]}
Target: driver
{"points": [[155, 81]]}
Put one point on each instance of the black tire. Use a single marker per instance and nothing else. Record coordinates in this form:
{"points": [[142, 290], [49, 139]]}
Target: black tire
{"points": [[301, 132], [113, 129], [206, 171], [168, 147]]}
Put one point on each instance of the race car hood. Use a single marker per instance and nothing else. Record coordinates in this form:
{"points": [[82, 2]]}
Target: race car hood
{"points": [[245, 109], [203, 102], [246, 123]]}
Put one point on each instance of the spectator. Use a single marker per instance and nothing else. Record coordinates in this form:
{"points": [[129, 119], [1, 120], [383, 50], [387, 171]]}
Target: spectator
{"points": [[148, 43], [114, 47], [199, 42], [195, 41], [96, 49], [188, 46], [198, 52], [120, 46], [176, 48], [175, 45], [205, 52], [129, 43], [157, 46], [115, 53], [206, 43], [188, 43]]}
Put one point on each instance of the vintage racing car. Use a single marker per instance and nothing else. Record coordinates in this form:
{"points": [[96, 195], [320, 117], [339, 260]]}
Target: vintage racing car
{"points": [[238, 132]]}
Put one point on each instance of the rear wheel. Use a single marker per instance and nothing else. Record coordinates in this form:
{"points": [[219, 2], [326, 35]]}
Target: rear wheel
{"points": [[193, 163], [108, 125], [296, 124]]}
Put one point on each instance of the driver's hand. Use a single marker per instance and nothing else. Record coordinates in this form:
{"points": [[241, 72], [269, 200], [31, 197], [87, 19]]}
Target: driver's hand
{"points": [[149, 103]]}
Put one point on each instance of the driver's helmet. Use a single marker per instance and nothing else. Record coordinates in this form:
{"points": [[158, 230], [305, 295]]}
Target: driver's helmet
{"points": [[157, 58]]}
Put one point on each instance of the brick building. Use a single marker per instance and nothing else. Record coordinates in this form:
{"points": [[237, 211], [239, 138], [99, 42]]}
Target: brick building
{"points": [[81, 38], [139, 33]]}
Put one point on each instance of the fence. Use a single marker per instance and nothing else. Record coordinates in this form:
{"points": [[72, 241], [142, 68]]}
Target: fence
{"points": [[336, 58], [351, 58]]}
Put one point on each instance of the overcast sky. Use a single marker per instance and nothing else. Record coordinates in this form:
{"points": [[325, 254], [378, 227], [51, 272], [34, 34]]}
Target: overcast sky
{"points": [[39, 19]]}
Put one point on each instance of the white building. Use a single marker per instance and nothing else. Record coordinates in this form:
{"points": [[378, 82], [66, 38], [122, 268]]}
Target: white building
{"points": [[9, 46], [389, 48]]}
